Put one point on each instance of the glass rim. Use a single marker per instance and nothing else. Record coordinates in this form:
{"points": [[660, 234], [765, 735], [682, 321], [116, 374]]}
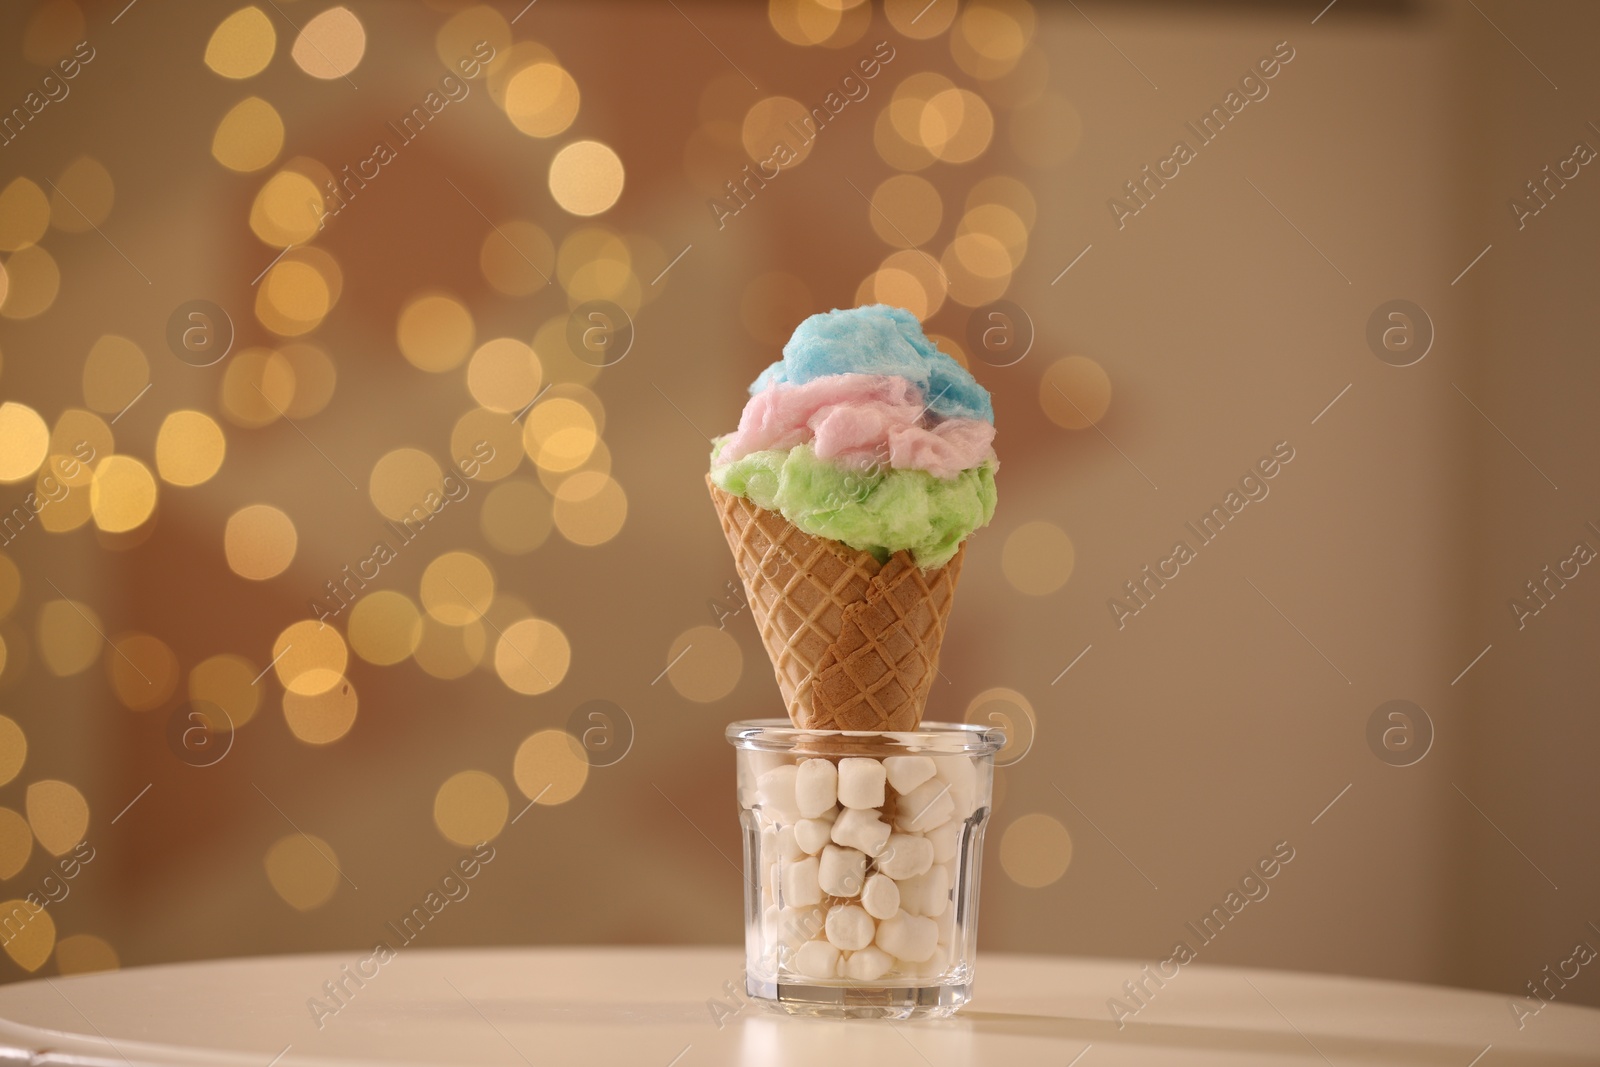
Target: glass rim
{"points": [[781, 735]]}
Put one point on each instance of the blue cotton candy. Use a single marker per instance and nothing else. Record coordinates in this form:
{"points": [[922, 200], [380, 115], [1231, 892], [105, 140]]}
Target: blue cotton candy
{"points": [[879, 339]]}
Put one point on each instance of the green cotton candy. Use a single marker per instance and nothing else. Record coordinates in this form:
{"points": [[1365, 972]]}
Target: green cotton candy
{"points": [[880, 510]]}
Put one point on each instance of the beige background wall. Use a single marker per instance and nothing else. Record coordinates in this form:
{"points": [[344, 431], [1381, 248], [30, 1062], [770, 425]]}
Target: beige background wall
{"points": [[1221, 720]]}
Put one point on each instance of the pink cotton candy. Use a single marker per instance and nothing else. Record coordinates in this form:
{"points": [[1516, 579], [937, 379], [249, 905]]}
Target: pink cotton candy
{"points": [[859, 419]]}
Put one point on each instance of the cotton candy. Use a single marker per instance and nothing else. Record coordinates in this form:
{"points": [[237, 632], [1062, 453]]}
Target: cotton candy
{"points": [[859, 420], [879, 340]]}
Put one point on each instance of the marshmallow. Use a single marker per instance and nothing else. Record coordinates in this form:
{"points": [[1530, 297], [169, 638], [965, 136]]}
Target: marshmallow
{"points": [[906, 857], [946, 840], [811, 835], [909, 937], [861, 782], [776, 789], [841, 871], [788, 848], [796, 926], [907, 772], [849, 928], [927, 806], [816, 787], [799, 882], [868, 965], [880, 896], [928, 893], [963, 779], [946, 922], [817, 959], [860, 828]]}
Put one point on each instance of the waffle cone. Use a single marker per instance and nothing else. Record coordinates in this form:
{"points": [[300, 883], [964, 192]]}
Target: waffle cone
{"points": [[854, 642]]}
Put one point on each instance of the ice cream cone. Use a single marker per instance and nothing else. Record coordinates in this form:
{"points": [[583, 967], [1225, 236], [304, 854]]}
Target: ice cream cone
{"points": [[854, 642]]}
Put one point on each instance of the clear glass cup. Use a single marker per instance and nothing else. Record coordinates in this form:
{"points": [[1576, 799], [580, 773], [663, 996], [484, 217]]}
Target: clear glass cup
{"points": [[862, 854]]}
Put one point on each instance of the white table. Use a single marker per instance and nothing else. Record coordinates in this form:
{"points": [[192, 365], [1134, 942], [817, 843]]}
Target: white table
{"points": [[649, 1008]]}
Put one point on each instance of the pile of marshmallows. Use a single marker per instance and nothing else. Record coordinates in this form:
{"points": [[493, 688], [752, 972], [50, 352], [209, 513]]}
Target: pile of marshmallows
{"points": [[860, 859]]}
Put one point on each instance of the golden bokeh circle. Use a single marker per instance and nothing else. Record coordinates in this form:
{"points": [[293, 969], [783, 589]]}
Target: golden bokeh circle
{"points": [[920, 19], [586, 178], [35, 940], [331, 44], [242, 44], [122, 495], [517, 517], [532, 656], [311, 376], [471, 807], [24, 215], [385, 627], [228, 682], [294, 297], [541, 99], [771, 125], [1075, 392], [310, 657], [82, 197], [189, 448], [457, 588], [435, 332], [403, 483], [550, 767], [86, 954], [69, 637], [24, 441], [504, 375], [1038, 558], [258, 387], [259, 541], [906, 210], [590, 508], [13, 749], [78, 439], [559, 433], [114, 374], [58, 813], [321, 718], [515, 257], [459, 38], [1035, 850], [142, 669], [481, 427], [249, 136], [450, 651], [303, 870], [705, 664], [288, 210], [32, 281], [956, 125], [16, 844]]}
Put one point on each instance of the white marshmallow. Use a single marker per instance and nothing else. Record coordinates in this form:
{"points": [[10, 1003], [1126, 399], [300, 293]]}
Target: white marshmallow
{"points": [[817, 959], [868, 964], [906, 857], [799, 882], [880, 896], [905, 773], [927, 806], [796, 926], [811, 834], [963, 779], [928, 893], [860, 828], [946, 840], [776, 789], [849, 928], [946, 922], [788, 849], [861, 782], [908, 937], [936, 963], [816, 787], [842, 870]]}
